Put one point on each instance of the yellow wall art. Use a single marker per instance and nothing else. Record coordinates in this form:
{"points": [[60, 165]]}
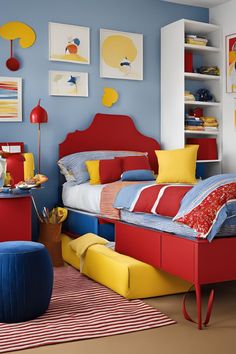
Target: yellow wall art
{"points": [[15, 30], [110, 96], [121, 55]]}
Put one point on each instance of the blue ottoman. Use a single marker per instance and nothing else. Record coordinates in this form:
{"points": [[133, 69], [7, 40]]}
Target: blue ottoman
{"points": [[26, 279]]}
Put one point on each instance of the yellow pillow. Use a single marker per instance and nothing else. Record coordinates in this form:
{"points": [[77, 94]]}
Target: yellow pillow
{"points": [[93, 170], [81, 244], [177, 166]]}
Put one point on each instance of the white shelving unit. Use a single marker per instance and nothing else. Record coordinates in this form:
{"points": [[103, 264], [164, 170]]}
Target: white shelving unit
{"points": [[174, 82]]}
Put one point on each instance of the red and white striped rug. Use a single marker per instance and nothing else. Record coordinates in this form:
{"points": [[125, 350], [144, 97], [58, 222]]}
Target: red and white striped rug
{"points": [[80, 309]]}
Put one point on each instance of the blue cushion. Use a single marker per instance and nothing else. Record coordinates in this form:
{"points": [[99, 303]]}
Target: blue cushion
{"points": [[26, 279], [138, 175]]}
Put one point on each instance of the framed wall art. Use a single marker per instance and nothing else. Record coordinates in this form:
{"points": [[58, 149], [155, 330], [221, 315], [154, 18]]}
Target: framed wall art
{"points": [[230, 46], [69, 43], [121, 55], [10, 99], [67, 83]]}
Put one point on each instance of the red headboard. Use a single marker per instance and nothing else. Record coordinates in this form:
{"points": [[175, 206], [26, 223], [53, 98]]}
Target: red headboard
{"points": [[110, 132]]}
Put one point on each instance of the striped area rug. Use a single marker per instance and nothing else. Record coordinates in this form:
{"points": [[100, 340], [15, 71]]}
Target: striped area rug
{"points": [[80, 309]]}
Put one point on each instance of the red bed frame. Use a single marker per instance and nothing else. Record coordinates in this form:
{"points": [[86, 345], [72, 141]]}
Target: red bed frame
{"points": [[197, 261]]}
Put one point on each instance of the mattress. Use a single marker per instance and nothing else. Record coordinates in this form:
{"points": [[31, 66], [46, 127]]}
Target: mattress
{"points": [[83, 196]]}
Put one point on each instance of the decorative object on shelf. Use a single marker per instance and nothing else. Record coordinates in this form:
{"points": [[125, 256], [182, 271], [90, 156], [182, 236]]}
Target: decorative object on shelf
{"points": [[188, 96], [195, 39], [10, 99], [110, 96], [121, 55], [196, 112], [14, 30], [209, 70], [37, 116], [67, 83], [204, 95], [69, 43], [230, 46], [188, 61]]}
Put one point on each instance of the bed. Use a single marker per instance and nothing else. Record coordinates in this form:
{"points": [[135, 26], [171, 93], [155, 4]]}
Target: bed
{"points": [[193, 259]]}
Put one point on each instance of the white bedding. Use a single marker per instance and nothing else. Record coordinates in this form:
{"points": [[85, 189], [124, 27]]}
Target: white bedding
{"points": [[82, 196]]}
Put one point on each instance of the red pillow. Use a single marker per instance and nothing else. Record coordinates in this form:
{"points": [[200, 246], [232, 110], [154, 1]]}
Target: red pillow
{"points": [[109, 170], [129, 163]]}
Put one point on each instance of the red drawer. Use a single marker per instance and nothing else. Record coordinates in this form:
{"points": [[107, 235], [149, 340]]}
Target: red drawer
{"points": [[140, 243], [178, 255], [216, 260]]}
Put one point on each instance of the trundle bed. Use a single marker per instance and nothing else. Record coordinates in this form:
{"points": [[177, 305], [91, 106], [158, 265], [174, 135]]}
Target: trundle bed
{"points": [[195, 260]]}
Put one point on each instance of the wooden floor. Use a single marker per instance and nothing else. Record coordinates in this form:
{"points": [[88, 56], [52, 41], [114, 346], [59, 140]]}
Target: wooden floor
{"points": [[182, 338]]}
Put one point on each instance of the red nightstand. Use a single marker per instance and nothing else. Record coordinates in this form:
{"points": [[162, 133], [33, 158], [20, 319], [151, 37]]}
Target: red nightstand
{"points": [[15, 216]]}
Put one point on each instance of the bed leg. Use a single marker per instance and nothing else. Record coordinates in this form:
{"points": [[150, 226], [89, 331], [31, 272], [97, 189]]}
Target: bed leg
{"points": [[199, 304]]}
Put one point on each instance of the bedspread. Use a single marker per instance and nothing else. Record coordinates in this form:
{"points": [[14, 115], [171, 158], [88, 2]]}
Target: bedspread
{"points": [[204, 208]]}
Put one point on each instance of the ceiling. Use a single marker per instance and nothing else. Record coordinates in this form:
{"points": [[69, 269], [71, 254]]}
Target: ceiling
{"points": [[201, 3]]}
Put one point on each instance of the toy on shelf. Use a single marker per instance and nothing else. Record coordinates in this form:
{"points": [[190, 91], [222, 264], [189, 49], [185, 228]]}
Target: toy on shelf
{"points": [[208, 70], [204, 95]]}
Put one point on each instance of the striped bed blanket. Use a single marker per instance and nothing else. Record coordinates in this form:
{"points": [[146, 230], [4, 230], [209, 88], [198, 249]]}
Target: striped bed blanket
{"points": [[203, 207]]}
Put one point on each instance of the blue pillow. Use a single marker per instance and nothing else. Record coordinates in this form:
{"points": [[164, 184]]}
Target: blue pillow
{"points": [[138, 175]]}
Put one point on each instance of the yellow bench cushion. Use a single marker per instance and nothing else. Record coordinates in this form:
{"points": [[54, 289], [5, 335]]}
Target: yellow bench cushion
{"points": [[125, 275]]}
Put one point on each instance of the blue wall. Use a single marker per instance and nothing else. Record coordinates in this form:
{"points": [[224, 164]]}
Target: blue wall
{"points": [[139, 99]]}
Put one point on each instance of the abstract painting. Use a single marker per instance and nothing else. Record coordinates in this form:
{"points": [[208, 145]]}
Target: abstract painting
{"points": [[67, 83], [121, 55], [10, 99], [230, 46], [69, 43]]}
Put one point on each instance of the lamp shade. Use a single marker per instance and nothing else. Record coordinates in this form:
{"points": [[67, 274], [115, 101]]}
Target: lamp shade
{"points": [[38, 114]]}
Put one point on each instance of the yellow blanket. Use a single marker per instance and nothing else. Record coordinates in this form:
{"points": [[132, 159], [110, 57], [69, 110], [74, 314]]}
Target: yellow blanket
{"points": [[82, 243]]}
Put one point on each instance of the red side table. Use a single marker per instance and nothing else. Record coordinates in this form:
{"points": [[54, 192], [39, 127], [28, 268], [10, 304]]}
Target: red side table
{"points": [[15, 216]]}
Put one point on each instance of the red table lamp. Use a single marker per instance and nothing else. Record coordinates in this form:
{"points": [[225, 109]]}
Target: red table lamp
{"points": [[38, 115]]}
